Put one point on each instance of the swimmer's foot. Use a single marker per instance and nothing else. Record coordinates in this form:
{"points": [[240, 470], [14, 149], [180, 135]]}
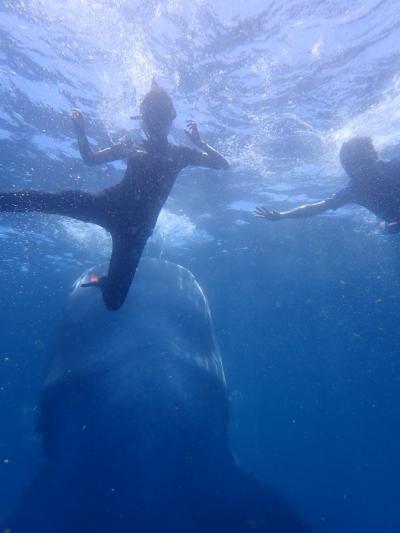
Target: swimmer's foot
{"points": [[95, 281]]}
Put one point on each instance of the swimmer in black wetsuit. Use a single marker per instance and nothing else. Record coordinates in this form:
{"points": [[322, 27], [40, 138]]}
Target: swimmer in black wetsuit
{"points": [[129, 210], [374, 184]]}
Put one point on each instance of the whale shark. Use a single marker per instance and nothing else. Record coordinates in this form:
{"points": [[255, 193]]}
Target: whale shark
{"points": [[134, 420]]}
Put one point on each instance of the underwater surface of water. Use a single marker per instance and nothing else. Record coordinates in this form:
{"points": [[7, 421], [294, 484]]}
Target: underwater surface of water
{"points": [[305, 311]]}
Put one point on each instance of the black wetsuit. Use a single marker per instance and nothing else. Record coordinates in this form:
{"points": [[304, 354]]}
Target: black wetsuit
{"points": [[380, 194], [129, 210]]}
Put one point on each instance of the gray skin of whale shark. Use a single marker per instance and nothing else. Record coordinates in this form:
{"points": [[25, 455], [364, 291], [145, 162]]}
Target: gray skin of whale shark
{"points": [[134, 421]]}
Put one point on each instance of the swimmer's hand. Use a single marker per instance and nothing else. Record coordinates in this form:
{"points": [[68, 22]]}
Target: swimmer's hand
{"points": [[269, 214], [77, 119], [393, 226], [193, 133]]}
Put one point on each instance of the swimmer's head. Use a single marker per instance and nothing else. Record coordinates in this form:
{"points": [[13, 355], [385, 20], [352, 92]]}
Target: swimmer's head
{"points": [[157, 112], [358, 157]]}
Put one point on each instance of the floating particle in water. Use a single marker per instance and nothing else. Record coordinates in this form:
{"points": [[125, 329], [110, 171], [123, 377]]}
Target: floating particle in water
{"points": [[39, 343], [7, 461]]}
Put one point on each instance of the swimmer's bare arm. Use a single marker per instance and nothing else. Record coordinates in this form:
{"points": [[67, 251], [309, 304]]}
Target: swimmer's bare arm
{"points": [[113, 153], [308, 210], [208, 156]]}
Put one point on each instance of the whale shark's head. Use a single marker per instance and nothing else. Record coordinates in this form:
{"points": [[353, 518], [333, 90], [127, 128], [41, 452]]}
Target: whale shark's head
{"points": [[155, 366]]}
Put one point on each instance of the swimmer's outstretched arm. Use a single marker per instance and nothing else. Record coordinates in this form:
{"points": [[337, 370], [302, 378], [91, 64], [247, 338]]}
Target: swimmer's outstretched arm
{"points": [[113, 153], [210, 157], [308, 210]]}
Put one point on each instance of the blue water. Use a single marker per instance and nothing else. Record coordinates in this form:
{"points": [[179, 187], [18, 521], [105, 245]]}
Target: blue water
{"points": [[305, 312]]}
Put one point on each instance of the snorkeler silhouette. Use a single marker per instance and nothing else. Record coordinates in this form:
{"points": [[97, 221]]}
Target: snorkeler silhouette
{"points": [[374, 184], [129, 210]]}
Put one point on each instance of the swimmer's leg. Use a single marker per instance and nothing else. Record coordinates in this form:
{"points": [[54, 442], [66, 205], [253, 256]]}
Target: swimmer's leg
{"points": [[125, 257], [75, 204]]}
